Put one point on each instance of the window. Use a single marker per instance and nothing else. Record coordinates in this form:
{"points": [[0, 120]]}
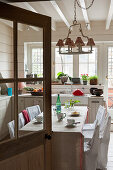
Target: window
{"points": [[37, 61], [63, 63], [110, 77], [110, 62], [88, 63]]}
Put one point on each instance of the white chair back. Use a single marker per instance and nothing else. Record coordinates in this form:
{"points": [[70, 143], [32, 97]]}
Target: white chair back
{"points": [[33, 111], [104, 142], [21, 120], [94, 141], [11, 127], [100, 114], [106, 134], [90, 156]]}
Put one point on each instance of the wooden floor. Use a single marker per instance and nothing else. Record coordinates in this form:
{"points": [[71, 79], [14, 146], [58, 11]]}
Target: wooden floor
{"points": [[110, 154]]}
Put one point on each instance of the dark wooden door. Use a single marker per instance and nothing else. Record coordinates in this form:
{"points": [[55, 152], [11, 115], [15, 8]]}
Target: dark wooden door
{"points": [[31, 151]]}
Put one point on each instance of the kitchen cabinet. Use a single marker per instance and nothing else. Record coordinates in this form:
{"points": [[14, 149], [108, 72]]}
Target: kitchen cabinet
{"points": [[68, 89], [5, 115], [65, 97], [93, 105], [29, 100]]}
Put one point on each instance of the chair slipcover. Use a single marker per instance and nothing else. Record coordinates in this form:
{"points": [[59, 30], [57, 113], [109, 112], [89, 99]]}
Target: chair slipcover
{"points": [[21, 120], [33, 111], [88, 134], [104, 143], [99, 117], [11, 127], [91, 151]]}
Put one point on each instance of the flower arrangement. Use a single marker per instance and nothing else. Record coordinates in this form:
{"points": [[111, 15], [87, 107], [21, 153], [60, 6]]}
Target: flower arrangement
{"points": [[70, 103], [93, 80], [84, 77], [93, 77]]}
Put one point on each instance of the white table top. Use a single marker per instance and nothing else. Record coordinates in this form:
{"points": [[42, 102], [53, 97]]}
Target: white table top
{"points": [[60, 126]]}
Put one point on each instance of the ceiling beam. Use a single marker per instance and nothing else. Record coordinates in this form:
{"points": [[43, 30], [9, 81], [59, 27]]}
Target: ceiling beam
{"points": [[33, 10], [13, 1], [28, 7], [10, 24], [53, 25], [110, 14], [56, 7], [85, 15]]}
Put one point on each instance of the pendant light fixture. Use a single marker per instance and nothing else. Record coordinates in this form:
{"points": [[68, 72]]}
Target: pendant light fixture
{"points": [[77, 46]]}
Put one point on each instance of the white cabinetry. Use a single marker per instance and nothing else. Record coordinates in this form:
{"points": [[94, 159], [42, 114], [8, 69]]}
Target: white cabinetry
{"points": [[93, 104], [28, 100], [5, 115], [70, 88]]}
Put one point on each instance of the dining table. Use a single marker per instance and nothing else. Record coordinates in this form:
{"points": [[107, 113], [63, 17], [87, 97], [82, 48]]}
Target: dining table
{"points": [[67, 141]]}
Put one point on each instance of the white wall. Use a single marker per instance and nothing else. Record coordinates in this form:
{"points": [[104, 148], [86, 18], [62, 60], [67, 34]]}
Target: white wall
{"points": [[6, 51]]}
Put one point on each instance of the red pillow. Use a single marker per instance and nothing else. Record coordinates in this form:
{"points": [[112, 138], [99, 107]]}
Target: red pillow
{"points": [[78, 93]]}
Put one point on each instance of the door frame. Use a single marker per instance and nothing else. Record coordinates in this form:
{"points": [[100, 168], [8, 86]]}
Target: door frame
{"points": [[23, 144]]}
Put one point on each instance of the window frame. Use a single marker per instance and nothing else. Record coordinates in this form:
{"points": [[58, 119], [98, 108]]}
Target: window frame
{"points": [[96, 71], [63, 64]]}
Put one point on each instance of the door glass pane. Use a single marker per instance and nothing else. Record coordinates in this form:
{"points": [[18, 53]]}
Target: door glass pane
{"points": [[7, 122], [30, 107], [63, 63], [6, 49], [30, 51]]}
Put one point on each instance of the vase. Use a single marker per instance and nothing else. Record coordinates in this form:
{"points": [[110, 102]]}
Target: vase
{"points": [[64, 79], [93, 82], [84, 82]]}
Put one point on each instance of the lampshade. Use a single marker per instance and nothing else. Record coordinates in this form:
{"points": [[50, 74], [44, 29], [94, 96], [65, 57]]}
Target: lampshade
{"points": [[68, 41], [90, 42], [79, 42], [60, 43], [72, 43], [21, 85]]}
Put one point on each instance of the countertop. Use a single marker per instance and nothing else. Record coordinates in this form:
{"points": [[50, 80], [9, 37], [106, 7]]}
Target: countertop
{"points": [[3, 97]]}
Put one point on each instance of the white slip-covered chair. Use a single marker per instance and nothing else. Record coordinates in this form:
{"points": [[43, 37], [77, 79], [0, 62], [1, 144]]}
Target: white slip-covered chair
{"points": [[91, 151], [88, 134], [99, 117], [104, 143], [33, 111], [21, 120], [11, 127]]}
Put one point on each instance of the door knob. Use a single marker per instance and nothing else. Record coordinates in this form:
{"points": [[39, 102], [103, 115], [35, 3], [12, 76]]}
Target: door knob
{"points": [[47, 136]]}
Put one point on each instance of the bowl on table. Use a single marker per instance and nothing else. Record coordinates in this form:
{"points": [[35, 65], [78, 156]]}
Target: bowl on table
{"points": [[98, 92], [91, 90], [75, 114], [38, 93]]}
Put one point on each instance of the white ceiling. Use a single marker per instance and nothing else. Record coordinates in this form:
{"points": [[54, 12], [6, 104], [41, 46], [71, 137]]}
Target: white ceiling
{"points": [[98, 12]]}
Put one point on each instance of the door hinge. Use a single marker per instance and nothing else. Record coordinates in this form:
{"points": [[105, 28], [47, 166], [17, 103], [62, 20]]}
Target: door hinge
{"points": [[47, 136]]}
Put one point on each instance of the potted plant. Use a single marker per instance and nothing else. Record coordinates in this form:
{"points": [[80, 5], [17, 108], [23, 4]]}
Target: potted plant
{"points": [[84, 78], [40, 76], [63, 77], [93, 80]]}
